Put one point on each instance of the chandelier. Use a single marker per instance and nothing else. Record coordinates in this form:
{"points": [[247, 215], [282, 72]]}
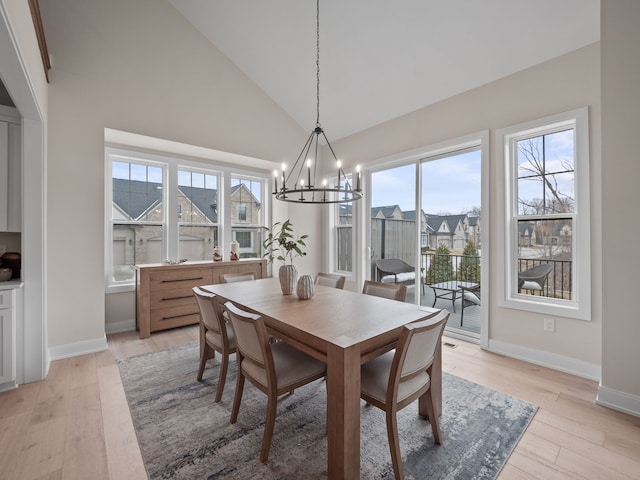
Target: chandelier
{"points": [[300, 184]]}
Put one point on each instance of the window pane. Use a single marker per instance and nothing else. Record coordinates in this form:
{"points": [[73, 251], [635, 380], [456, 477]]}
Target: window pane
{"points": [[197, 198], [250, 242], [196, 242], [246, 201], [545, 242], [545, 169], [344, 236], [137, 192], [134, 244], [393, 217]]}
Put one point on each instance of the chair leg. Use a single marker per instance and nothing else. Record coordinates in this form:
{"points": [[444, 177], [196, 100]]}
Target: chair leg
{"points": [[394, 444], [206, 354], [238, 395], [223, 376], [433, 419], [270, 421]]}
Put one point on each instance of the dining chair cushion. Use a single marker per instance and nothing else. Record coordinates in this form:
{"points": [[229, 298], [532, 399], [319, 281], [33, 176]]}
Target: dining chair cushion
{"points": [[291, 366]]}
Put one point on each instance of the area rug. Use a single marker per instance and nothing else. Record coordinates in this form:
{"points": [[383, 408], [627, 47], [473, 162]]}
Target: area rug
{"points": [[183, 434]]}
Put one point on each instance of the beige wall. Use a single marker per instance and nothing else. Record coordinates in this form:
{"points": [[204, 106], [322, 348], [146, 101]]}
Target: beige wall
{"points": [[562, 84], [620, 199], [136, 66]]}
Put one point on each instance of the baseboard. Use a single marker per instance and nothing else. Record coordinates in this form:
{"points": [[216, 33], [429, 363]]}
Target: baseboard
{"points": [[554, 361], [79, 348], [617, 400], [119, 327]]}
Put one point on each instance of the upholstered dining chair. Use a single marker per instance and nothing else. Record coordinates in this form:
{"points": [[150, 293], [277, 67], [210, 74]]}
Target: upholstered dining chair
{"points": [[396, 379], [274, 369], [330, 280], [394, 291], [237, 277], [218, 337]]}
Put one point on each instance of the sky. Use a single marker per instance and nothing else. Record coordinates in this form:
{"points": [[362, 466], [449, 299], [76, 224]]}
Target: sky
{"points": [[450, 185]]}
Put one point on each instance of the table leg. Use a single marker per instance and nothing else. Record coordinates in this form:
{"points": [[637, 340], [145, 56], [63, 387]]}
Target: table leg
{"points": [[453, 300], [343, 412]]}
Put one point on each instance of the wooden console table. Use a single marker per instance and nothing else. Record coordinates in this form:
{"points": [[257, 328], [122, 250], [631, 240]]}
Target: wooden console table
{"points": [[164, 298]]}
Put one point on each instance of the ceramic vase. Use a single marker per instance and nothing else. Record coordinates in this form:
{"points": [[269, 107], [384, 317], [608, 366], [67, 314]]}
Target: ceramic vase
{"points": [[305, 287], [288, 276]]}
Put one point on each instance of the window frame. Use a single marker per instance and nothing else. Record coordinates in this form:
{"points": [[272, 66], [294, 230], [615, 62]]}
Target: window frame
{"points": [[579, 307], [171, 166]]}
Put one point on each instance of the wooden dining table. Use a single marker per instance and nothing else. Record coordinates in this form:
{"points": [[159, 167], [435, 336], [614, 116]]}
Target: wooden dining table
{"points": [[343, 329]]}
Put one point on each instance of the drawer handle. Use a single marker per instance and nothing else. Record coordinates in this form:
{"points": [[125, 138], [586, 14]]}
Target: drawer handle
{"points": [[176, 298], [178, 316], [182, 280]]}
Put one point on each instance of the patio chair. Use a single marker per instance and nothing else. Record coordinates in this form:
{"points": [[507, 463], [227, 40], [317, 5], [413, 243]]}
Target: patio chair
{"points": [[394, 270], [470, 296], [534, 278]]}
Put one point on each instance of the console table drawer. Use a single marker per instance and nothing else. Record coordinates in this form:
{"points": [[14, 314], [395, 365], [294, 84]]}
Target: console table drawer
{"points": [[179, 279], [172, 298], [172, 317]]}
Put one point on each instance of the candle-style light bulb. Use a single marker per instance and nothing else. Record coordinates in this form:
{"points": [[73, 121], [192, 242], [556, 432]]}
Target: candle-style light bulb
{"points": [[284, 184], [275, 181], [309, 172], [358, 178], [339, 165]]}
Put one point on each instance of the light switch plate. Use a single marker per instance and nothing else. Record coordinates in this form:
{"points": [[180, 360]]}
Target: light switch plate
{"points": [[3, 249]]}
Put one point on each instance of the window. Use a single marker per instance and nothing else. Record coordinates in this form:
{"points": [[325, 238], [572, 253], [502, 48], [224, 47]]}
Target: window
{"points": [[247, 214], [546, 215], [197, 214], [341, 249], [137, 217], [164, 209]]}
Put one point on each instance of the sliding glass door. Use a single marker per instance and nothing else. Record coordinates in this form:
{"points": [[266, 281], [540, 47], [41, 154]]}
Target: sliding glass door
{"points": [[434, 249], [450, 200]]}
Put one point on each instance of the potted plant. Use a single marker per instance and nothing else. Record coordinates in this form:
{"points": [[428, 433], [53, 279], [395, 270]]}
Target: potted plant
{"points": [[282, 244]]}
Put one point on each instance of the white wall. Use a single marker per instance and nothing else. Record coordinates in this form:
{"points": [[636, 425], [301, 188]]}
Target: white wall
{"points": [[136, 66], [562, 84], [620, 385]]}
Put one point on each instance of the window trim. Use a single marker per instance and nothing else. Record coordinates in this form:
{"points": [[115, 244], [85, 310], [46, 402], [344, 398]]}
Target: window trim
{"points": [[579, 307]]}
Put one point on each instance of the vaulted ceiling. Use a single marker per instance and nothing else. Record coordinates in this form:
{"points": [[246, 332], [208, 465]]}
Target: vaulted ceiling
{"points": [[380, 59]]}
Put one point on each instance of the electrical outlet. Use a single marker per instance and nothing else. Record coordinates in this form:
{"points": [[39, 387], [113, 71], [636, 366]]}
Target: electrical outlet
{"points": [[3, 249], [549, 325]]}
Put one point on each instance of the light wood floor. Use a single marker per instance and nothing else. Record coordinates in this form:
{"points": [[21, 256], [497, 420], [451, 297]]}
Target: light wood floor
{"points": [[76, 423]]}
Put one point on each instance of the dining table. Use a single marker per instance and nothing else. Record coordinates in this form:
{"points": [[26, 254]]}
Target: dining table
{"points": [[343, 329]]}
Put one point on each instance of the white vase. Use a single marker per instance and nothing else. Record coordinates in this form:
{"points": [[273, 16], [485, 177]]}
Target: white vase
{"points": [[288, 276], [305, 289]]}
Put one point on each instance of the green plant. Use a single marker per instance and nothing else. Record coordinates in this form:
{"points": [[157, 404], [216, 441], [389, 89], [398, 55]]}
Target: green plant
{"points": [[469, 270], [440, 269], [282, 244]]}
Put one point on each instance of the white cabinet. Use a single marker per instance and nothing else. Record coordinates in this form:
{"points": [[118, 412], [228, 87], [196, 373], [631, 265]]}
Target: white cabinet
{"points": [[7, 336], [10, 170]]}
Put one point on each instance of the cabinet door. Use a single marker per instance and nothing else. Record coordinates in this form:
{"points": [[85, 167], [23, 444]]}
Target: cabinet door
{"points": [[7, 340]]}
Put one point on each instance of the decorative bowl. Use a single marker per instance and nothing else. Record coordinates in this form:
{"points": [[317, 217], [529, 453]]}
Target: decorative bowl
{"points": [[5, 274]]}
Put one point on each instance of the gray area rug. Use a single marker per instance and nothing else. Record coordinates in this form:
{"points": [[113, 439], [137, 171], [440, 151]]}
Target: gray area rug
{"points": [[183, 434]]}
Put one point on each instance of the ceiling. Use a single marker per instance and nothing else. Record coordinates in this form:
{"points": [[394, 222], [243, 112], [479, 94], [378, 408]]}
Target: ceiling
{"points": [[380, 59]]}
